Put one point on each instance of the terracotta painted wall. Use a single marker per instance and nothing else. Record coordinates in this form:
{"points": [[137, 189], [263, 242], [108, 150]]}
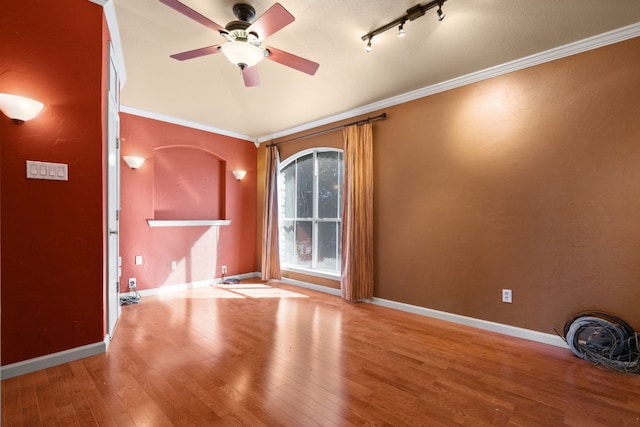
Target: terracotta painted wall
{"points": [[52, 239], [187, 175], [528, 181]]}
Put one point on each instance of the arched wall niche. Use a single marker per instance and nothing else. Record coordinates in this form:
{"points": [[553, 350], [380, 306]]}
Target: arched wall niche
{"points": [[188, 184]]}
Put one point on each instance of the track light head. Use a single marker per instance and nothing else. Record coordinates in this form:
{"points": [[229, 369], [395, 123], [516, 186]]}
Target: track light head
{"points": [[440, 13], [368, 47], [401, 32]]}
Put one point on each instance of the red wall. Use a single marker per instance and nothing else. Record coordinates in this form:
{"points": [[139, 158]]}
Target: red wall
{"points": [[187, 175], [52, 240]]}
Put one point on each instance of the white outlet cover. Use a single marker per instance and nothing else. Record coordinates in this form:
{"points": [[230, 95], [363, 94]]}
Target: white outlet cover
{"points": [[138, 259], [507, 295]]}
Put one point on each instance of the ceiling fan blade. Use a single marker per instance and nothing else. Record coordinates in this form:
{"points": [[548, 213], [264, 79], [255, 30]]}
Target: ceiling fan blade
{"points": [[293, 61], [190, 13], [250, 76], [209, 50], [273, 20]]}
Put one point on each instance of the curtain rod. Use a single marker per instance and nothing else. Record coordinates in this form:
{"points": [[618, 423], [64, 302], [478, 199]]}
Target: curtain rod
{"points": [[320, 132]]}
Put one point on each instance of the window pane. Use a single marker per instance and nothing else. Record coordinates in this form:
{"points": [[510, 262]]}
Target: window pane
{"points": [[304, 244], [328, 256], [287, 242], [305, 187], [329, 184], [289, 190]]}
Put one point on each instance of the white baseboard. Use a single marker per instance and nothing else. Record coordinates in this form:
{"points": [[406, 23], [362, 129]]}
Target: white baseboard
{"points": [[53, 359], [191, 285], [47, 361], [513, 331]]}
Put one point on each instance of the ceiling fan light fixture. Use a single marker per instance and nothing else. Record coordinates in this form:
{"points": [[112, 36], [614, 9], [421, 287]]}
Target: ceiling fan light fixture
{"points": [[242, 54], [244, 37]]}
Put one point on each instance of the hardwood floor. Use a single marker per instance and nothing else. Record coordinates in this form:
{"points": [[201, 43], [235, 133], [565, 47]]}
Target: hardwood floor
{"points": [[257, 354]]}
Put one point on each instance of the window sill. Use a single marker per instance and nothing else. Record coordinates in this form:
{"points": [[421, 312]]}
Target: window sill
{"points": [[187, 222], [310, 272]]}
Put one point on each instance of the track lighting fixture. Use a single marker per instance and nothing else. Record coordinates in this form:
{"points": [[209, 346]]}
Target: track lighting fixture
{"points": [[412, 14]]}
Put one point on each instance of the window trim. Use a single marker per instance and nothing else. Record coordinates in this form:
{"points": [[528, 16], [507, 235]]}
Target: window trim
{"points": [[317, 272]]}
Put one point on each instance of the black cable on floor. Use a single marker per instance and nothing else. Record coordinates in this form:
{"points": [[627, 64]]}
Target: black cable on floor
{"points": [[131, 299], [605, 340]]}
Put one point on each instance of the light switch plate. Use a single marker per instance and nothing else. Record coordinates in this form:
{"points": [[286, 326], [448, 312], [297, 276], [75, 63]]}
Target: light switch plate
{"points": [[47, 170]]}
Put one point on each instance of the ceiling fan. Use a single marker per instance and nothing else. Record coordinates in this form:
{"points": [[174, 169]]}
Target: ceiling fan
{"points": [[244, 39]]}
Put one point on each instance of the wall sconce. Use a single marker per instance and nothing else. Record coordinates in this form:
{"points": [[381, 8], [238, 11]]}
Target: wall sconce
{"points": [[18, 108], [239, 174], [412, 14], [134, 162]]}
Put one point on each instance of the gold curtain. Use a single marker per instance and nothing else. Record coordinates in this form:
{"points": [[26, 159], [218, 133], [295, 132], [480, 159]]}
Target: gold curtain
{"points": [[271, 248], [357, 213]]}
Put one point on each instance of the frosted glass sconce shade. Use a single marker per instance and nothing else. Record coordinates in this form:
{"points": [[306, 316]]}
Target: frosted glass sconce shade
{"points": [[134, 162], [239, 174], [18, 108]]}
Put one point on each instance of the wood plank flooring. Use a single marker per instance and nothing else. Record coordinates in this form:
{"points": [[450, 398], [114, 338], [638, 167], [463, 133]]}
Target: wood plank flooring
{"points": [[272, 354]]}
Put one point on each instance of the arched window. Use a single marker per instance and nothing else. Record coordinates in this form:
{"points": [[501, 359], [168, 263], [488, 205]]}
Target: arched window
{"points": [[310, 186]]}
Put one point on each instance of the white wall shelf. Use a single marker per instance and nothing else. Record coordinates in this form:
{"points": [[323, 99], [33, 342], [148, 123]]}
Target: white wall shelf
{"points": [[187, 222]]}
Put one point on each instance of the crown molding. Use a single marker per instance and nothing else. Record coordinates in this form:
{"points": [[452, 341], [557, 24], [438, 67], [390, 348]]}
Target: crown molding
{"points": [[186, 123], [114, 31], [570, 49], [591, 43]]}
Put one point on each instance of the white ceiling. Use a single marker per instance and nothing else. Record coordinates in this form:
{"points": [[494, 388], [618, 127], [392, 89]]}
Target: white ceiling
{"points": [[209, 91]]}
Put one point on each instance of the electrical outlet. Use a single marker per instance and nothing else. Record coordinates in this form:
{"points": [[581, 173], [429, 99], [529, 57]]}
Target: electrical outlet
{"points": [[174, 265], [224, 269], [507, 296], [132, 283]]}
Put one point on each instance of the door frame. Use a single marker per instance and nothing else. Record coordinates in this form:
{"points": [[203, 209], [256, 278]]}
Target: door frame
{"points": [[113, 264]]}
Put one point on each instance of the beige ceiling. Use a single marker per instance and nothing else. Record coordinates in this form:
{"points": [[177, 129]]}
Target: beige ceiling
{"points": [[209, 91]]}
